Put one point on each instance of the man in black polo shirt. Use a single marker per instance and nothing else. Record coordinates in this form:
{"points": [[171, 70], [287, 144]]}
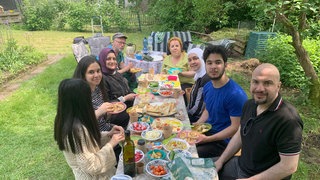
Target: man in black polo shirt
{"points": [[270, 134]]}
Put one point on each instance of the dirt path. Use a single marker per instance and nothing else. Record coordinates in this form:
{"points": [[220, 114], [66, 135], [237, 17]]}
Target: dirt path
{"points": [[12, 85]]}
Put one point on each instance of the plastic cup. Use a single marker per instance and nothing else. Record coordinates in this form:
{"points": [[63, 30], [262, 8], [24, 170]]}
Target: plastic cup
{"points": [[133, 116], [140, 167]]}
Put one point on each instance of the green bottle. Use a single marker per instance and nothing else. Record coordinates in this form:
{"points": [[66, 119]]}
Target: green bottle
{"points": [[129, 166]]}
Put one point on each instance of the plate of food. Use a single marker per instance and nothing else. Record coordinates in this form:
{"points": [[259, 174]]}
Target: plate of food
{"points": [[159, 123], [118, 107], [151, 135], [156, 154], [139, 126], [165, 93], [147, 119], [202, 127], [157, 168], [161, 109], [156, 57], [190, 136], [145, 98], [176, 143], [138, 155], [135, 70]]}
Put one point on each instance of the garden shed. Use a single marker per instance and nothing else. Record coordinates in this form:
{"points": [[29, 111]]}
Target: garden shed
{"points": [[10, 11]]}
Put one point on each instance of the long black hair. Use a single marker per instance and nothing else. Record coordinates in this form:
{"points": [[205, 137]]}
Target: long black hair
{"points": [[81, 69], [74, 112]]}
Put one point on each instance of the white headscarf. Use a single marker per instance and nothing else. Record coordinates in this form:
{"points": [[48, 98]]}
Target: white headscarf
{"points": [[202, 70]]}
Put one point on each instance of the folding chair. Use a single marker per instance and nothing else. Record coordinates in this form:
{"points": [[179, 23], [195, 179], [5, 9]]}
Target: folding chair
{"points": [[96, 44], [185, 38], [79, 50], [226, 43], [160, 41]]}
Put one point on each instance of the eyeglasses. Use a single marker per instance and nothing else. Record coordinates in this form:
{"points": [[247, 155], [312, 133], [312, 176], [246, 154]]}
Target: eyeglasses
{"points": [[247, 126], [120, 42], [193, 58]]}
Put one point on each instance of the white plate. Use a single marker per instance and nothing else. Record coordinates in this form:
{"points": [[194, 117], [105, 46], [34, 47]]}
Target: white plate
{"points": [[156, 57], [156, 163], [139, 122], [121, 177], [176, 124], [157, 135], [180, 144], [135, 151], [160, 104]]}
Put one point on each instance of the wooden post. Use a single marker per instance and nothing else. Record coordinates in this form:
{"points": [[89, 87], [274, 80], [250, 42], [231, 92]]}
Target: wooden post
{"points": [[139, 21]]}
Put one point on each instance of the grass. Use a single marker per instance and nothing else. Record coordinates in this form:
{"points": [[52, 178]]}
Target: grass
{"points": [[28, 150]]}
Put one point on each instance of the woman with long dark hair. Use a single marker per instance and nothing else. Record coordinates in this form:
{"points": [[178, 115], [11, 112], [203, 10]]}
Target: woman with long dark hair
{"points": [[89, 70], [87, 151]]}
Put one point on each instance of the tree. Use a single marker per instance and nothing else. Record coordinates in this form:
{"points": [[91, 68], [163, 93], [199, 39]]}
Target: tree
{"points": [[296, 16]]}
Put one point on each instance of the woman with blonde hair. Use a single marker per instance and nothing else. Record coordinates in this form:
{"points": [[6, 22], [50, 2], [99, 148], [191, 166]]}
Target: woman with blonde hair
{"points": [[177, 63]]}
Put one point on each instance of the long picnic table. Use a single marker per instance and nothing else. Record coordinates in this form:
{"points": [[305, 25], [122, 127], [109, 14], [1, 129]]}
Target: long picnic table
{"points": [[181, 114]]}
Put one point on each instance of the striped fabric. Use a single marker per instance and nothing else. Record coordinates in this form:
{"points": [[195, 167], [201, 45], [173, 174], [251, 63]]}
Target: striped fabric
{"points": [[79, 50], [191, 46], [160, 41], [185, 38]]}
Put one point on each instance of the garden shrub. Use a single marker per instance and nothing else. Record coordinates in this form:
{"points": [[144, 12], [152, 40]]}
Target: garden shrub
{"points": [[111, 15], [78, 15], [60, 8], [281, 53], [37, 17], [13, 58]]}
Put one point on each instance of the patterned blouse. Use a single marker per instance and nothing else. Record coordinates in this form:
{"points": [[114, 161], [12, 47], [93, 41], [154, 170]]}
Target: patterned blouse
{"points": [[97, 101]]}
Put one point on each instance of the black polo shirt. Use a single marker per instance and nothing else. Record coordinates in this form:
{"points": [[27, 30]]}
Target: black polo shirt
{"points": [[276, 131]]}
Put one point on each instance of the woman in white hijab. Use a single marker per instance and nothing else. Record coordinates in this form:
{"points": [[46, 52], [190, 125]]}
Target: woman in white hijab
{"points": [[196, 63]]}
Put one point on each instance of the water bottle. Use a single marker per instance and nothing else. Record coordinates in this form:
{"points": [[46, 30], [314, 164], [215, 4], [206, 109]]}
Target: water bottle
{"points": [[145, 46], [150, 42]]}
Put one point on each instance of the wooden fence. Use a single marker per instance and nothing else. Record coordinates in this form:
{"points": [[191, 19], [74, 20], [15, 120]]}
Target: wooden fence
{"points": [[137, 19]]}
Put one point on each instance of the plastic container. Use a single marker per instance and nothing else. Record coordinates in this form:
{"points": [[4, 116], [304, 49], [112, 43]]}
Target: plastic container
{"points": [[145, 46], [150, 43], [172, 78], [138, 56], [142, 145]]}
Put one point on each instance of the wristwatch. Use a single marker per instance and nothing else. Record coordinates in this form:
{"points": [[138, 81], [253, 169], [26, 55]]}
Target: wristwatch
{"points": [[122, 99]]}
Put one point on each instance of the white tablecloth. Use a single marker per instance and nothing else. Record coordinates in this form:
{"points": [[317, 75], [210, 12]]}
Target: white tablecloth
{"points": [[146, 65], [181, 108]]}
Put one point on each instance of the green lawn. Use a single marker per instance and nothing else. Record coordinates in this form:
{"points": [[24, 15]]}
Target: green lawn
{"points": [[27, 148]]}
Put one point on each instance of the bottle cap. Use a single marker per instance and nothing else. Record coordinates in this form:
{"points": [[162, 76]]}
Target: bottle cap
{"points": [[127, 132], [141, 142]]}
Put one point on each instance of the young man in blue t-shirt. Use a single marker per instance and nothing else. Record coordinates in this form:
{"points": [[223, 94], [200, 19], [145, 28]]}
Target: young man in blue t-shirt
{"points": [[224, 100]]}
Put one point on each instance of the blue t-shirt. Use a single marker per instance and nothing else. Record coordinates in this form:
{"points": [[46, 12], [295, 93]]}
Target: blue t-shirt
{"points": [[221, 103]]}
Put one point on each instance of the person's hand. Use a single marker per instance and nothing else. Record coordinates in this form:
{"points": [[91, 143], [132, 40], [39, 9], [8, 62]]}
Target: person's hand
{"points": [[195, 123], [130, 97], [116, 138], [202, 139], [116, 130], [130, 65], [107, 107]]}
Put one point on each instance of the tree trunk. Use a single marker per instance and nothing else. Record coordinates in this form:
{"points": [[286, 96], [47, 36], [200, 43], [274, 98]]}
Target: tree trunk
{"points": [[303, 57], [304, 60]]}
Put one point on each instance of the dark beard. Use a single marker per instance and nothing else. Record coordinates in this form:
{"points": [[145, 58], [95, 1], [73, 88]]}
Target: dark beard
{"points": [[217, 78]]}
